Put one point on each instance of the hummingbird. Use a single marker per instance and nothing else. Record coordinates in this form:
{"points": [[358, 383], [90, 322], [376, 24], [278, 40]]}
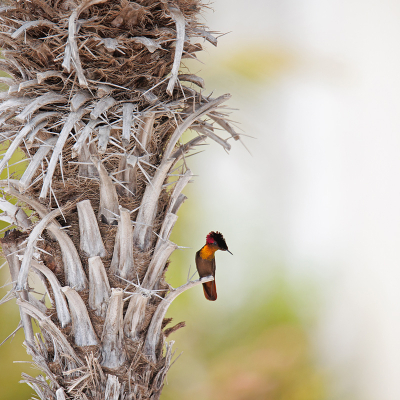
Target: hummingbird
{"points": [[205, 262]]}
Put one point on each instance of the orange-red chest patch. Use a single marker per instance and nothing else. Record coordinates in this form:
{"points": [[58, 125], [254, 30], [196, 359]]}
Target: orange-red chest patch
{"points": [[207, 252]]}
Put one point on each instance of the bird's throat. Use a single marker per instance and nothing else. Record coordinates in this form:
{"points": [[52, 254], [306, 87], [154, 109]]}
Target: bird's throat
{"points": [[207, 252]]}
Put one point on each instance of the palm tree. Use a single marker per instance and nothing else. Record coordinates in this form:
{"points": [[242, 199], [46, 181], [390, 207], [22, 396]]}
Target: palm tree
{"points": [[97, 103]]}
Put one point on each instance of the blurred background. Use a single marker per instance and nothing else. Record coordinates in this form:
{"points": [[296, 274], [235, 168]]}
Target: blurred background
{"points": [[309, 305]]}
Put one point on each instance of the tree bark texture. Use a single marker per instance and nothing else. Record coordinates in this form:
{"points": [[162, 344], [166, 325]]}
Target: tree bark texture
{"points": [[97, 103]]}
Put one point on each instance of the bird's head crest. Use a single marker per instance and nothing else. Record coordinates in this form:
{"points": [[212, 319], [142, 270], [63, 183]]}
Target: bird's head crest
{"points": [[217, 239]]}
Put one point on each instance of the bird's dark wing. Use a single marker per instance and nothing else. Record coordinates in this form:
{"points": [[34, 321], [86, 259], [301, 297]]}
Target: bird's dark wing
{"points": [[206, 268]]}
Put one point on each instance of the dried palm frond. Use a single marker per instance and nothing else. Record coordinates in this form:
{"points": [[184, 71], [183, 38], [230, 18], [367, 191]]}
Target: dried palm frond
{"points": [[97, 104]]}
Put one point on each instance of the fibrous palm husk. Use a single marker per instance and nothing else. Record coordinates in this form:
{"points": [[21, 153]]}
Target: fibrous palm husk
{"points": [[96, 102]]}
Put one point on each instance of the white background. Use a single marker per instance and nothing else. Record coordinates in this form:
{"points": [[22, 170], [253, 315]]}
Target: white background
{"points": [[320, 192]]}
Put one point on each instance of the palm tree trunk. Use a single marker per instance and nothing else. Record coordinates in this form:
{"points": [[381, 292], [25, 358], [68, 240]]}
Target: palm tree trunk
{"points": [[97, 104]]}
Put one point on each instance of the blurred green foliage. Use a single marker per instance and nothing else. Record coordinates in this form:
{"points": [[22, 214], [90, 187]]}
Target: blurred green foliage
{"points": [[11, 351], [257, 63]]}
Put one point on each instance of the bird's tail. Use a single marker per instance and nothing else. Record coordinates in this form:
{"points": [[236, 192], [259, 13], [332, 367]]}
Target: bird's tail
{"points": [[210, 290]]}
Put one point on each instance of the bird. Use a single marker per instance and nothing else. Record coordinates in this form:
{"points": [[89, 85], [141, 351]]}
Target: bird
{"points": [[205, 262]]}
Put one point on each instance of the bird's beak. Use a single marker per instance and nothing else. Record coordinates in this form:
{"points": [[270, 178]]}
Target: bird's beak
{"points": [[228, 251]]}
